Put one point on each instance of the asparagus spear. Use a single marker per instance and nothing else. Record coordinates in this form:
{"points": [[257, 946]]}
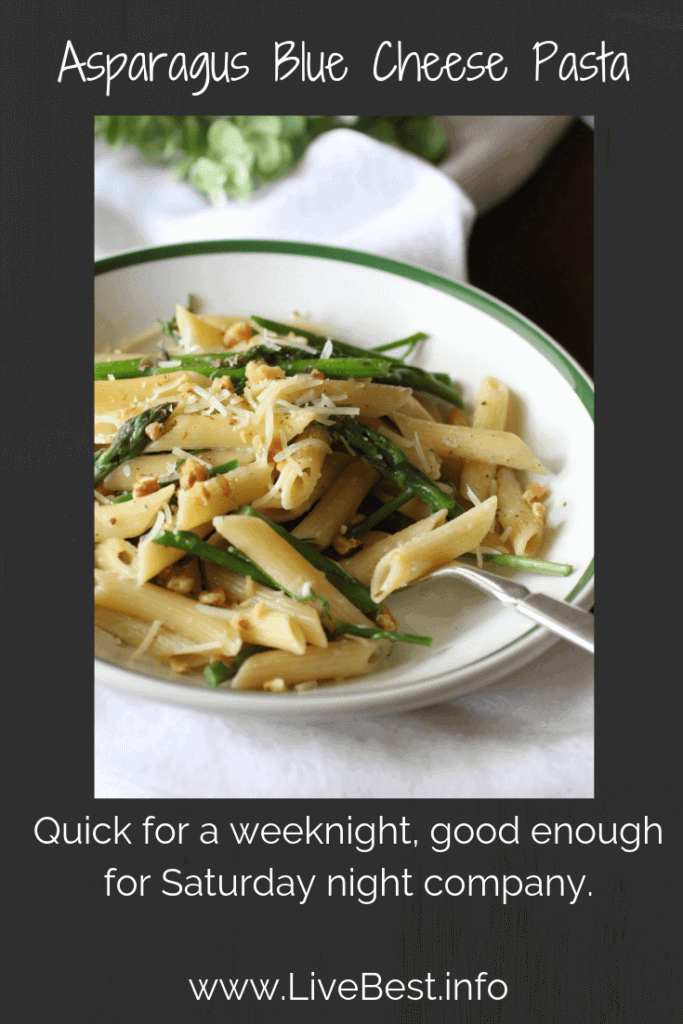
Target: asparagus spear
{"points": [[232, 559], [383, 634], [213, 366], [130, 440], [225, 467], [380, 514], [200, 363], [406, 376], [170, 327], [522, 562], [345, 368], [356, 592], [392, 463], [409, 343], [218, 672]]}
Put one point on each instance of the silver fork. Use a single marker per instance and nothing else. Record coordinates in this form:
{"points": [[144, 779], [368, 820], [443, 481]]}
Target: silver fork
{"points": [[568, 621]]}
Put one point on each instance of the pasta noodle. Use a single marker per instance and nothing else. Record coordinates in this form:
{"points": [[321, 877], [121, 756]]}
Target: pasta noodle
{"points": [[497, 447], [490, 412], [205, 450], [416, 558]]}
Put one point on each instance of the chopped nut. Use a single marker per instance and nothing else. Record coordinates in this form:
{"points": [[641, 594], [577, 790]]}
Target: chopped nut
{"points": [[217, 596], [358, 518], [190, 473], [385, 620], [177, 578], [154, 431], [144, 485], [258, 370], [343, 545], [539, 511], [275, 447], [180, 585], [222, 384], [535, 492], [276, 685], [241, 331]]}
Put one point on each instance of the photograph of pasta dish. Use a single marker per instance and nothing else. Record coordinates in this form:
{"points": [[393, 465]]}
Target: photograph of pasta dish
{"points": [[261, 490]]}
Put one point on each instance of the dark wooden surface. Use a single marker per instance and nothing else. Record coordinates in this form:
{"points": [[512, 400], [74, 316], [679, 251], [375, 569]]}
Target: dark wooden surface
{"points": [[535, 250]]}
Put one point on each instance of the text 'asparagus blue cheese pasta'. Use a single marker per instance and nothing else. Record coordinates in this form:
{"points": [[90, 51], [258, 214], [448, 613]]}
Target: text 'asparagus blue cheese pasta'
{"points": [[262, 490]]}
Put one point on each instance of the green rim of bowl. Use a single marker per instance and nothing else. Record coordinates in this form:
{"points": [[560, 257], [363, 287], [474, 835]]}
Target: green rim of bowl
{"points": [[566, 366]]}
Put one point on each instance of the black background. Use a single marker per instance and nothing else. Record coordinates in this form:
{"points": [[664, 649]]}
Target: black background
{"points": [[608, 958]]}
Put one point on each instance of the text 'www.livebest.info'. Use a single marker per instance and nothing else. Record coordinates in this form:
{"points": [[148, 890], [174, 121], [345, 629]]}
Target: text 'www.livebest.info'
{"points": [[368, 987]]}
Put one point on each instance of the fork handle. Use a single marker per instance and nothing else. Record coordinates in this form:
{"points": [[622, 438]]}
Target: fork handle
{"points": [[568, 621]]}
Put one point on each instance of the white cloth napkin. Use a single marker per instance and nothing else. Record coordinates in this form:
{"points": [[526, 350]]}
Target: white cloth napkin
{"points": [[348, 190], [527, 736]]}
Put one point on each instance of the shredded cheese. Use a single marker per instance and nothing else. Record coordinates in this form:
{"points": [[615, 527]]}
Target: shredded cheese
{"points": [[295, 446], [180, 453], [213, 401], [157, 528], [147, 641], [210, 645]]}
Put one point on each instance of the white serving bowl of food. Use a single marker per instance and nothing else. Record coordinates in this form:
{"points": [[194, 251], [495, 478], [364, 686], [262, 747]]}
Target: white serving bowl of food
{"points": [[370, 301]]}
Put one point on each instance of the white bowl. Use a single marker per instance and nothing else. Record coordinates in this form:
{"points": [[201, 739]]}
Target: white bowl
{"points": [[371, 300]]}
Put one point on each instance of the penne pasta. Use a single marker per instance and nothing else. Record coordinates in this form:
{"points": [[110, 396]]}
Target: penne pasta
{"points": [[241, 589], [117, 555], [491, 413], [166, 646], [332, 466], [125, 397], [286, 566], [369, 398], [223, 493], [166, 465], [190, 431], [336, 508], [185, 576], [493, 446], [341, 660], [516, 515], [362, 564], [130, 518], [418, 557], [153, 558], [180, 614], [196, 335]]}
